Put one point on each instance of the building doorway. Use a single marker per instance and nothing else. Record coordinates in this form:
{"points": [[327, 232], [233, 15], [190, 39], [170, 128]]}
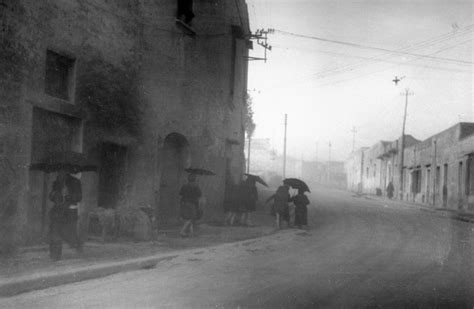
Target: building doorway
{"points": [[113, 159], [175, 158], [445, 186]]}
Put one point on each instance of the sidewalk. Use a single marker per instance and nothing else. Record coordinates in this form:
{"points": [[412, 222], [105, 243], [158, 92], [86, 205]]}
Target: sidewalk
{"points": [[31, 269], [445, 212]]}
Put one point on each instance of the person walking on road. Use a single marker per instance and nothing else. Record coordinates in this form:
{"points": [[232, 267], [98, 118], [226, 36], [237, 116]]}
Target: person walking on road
{"points": [[390, 190], [66, 194], [301, 202], [248, 196], [280, 205], [189, 209]]}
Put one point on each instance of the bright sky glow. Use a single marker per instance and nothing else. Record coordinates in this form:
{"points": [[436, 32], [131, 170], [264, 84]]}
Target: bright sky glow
{"points": [[326, 88]]}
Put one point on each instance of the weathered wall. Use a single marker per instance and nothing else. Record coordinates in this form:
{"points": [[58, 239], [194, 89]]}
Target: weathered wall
{"points": [[137, 79], [442, 162]]}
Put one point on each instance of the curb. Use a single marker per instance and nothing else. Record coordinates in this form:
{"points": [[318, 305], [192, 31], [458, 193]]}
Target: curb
{"points": [[444, 212], [43, 281]]}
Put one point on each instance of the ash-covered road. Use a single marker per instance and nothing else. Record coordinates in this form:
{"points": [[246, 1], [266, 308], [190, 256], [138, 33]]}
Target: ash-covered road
{"points": [[358, 252]]}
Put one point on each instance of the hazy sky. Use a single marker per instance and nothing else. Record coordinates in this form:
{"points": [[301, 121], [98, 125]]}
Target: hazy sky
{"points": [[327, 88]]}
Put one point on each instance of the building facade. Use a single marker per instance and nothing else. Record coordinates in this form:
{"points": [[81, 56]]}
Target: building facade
{"points": [[141, 87], [437, 171]]}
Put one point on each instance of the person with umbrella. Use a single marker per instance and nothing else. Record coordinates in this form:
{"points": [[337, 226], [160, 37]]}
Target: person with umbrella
{"points": [[301, 210], [300, 200], [248, 196], [66, 194], [280, 205], [190, 195]]}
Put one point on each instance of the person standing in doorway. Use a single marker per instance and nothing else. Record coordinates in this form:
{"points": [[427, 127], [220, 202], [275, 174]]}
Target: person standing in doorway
{"points": [[189, 211], [66, 194]]}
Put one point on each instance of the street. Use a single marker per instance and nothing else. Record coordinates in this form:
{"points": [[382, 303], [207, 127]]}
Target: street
{"points": [[358, 252]]}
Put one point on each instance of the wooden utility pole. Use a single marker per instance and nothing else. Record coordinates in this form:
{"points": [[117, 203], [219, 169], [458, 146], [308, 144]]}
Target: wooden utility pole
{"points": [[284, 147], [329, 162], [402, 146], [354, 131], [433, 171], [248, 156]]}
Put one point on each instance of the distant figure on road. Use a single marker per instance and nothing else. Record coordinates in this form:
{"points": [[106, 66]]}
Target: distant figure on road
{"points": [[248, 196], [301, 210], [189, 211], [66, 194], [390, 190], [280, 205]]}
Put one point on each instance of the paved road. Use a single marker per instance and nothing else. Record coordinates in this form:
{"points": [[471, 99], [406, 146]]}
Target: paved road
{"points": [[359, 252]]}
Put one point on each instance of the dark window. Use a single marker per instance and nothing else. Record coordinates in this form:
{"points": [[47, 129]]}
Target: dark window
{"points": [[185, 11], [416, 181], [59, 71]]}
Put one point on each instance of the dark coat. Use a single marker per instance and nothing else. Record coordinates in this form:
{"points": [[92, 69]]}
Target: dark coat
{"points": [[189, 208], [248, 196], [60, 211]]}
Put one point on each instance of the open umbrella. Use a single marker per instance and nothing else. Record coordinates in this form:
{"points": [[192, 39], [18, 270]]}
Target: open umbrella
{"points": [[296, 184], [257, 179], [73, 162], [199, 171]]}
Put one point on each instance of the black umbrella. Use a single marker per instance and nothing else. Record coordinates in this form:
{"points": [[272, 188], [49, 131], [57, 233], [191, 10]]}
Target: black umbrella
{"points": [[296, 184], [257, 179], [73, 162], [199, 171]]}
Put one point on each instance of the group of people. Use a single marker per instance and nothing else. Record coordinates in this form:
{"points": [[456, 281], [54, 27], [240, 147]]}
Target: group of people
{"points": [[240, 201], [281, 207], [66, 194]]}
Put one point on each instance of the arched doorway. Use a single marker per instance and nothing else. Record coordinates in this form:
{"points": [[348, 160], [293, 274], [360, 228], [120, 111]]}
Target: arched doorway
{"points": [[174, 159]]}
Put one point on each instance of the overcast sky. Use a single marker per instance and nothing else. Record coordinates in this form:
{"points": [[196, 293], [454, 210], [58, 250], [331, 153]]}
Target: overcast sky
{"points": [[326, 88]]}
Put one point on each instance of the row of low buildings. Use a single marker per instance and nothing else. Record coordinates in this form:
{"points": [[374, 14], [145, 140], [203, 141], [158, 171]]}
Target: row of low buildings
{"points": [[146, 88], [438, 171]]}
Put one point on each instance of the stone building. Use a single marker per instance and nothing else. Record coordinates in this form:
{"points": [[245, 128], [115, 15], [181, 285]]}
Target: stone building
{"points": [[141, 87], [437, 171]]}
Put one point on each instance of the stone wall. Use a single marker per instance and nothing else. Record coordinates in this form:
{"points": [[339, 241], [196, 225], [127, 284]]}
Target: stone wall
{"points": [[136, 79]]}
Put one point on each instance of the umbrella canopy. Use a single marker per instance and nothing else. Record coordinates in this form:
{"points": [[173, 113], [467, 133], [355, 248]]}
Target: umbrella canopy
{"points": [[296, 184], [73, 162], [199, 171], [257, 179]]}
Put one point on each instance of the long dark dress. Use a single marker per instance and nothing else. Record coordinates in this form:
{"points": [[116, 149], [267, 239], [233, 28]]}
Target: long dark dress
{"points": [[248, 196], [301, 210], [190, 194], [280, 203]]}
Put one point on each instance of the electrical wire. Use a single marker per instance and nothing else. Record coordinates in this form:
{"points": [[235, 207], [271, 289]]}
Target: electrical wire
{"points": [[372, 47]]}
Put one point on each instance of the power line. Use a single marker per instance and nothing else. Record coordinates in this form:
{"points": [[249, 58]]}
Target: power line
{"points": [[373, 48]]}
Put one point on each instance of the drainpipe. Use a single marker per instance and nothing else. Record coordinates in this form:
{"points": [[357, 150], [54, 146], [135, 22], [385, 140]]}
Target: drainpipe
{"points": [[434, 169]]}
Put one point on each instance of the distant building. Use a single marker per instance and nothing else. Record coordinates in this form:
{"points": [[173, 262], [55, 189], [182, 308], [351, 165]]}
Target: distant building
{"points": [[330, 174], [437, 171], [268, 163]]}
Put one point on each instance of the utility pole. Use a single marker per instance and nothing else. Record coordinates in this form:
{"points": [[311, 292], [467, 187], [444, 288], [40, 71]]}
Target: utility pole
{"points": [[317, 146], [329, 163], [284, 147], [402, 146], [248, 156], [354, 131], [433, 171]]}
